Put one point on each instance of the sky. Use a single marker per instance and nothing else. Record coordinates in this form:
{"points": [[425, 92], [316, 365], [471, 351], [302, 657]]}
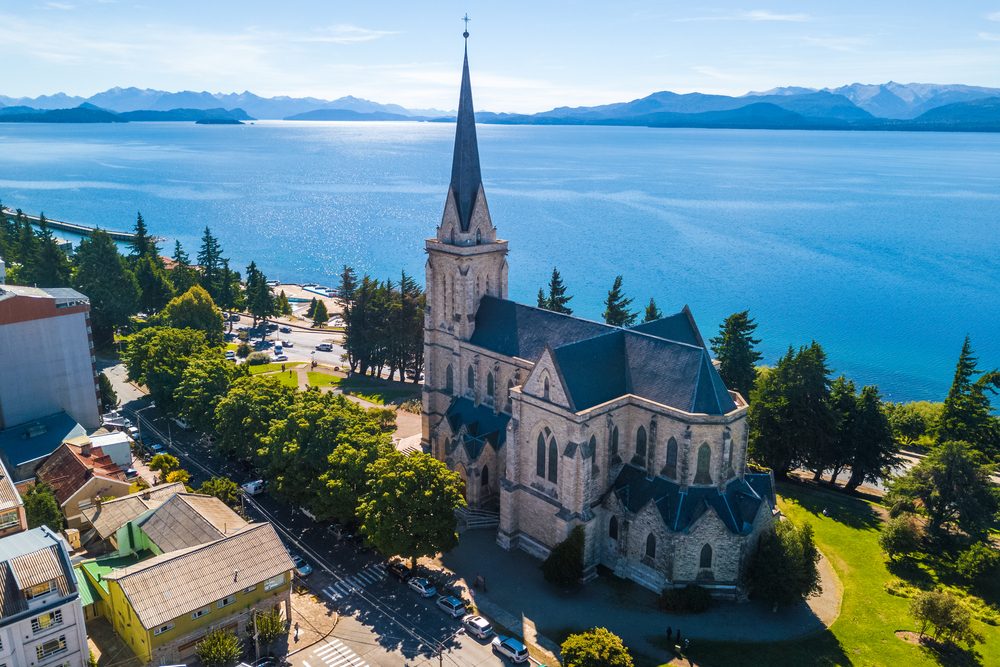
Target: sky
{"points": [[525, 56]]}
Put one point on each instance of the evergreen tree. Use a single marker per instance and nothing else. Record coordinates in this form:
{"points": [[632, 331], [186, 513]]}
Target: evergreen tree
{"points": [[543, 301], [109, 397], [260, 301], [556, 300], [320, 316], [101, 274], [230, 290], [155, 289], [312, 308], [967, 412], [844, 405], [874, 452], [653, 313], [210, 260], [183, 276], [142, 244], [735, 349], [27, 251], [616, 307], [283, 305], [41, 507], [51, 266]]}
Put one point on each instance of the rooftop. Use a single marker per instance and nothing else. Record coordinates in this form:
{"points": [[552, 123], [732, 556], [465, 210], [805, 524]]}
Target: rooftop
{"points": [[111, 515], [27, 559], [63, 296], [9, 497], [75, 462], [188, 519], [37, 439]]}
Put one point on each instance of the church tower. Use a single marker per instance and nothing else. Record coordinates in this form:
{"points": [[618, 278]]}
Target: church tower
{"points": [[465, 261]]}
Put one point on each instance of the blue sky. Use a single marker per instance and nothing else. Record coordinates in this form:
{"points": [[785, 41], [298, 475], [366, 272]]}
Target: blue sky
{"points": [[526, 56]]}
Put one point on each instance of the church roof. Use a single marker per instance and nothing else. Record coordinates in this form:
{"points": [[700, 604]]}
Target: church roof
{"points": [[679, 327], [736, 504], [482, 426], [466, 176], [515, 330]]}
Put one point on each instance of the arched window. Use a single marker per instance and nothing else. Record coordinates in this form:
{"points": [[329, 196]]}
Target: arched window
{"points": [[613, 528], [593, 447], [545, 389], [510, 395], [640, 445], [651, 546], [671, 468], [540, 456], [702, 474], [449, 380], [489, 385], [485, 478], [553, 460], [706, 556], [470, 379], [479, 236], [614, 442], [453, 236]]}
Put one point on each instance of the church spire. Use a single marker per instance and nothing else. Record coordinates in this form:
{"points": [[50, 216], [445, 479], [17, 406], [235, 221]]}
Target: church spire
{"points": [[466, 177]]}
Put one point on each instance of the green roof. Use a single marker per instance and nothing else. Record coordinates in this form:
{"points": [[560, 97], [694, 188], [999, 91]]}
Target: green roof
{"points": [[88, 594], [100, 567]]}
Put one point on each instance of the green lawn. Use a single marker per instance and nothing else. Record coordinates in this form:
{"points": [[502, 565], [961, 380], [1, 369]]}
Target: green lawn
{"points": [[377, 390], [864, 633], [320, 379], [270, 368]]}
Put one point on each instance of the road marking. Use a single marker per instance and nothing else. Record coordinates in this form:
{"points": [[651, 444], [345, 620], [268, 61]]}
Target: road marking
{"points": [[338, 654], [355, 583]]}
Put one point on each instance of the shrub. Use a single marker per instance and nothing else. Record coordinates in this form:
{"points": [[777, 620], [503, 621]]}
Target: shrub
{"points": [[219, 648], [258, 358], [900, 536], [597, 647], [564, 566], [692, 599], [783, 569], [243, 350], [945, 616], [977, 562]]}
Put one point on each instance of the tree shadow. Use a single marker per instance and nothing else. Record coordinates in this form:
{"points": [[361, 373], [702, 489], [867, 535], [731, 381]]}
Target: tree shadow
{"points": [[849, 510], [821, 649], [950, 654]]}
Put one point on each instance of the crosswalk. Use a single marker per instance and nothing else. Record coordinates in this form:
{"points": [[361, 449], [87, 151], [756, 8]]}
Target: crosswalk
{"points": [[335, 654], [355, 583]]}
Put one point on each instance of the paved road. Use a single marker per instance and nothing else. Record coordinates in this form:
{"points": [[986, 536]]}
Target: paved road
{"points": [[382, 621]]}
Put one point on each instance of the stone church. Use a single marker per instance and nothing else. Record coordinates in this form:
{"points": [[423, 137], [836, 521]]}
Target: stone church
{"points": [[556, 421]]}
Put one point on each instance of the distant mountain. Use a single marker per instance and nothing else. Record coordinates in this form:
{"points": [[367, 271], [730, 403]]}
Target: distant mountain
{"points": [[80, 114], [899, 100], [196, 115], [982, 115], [57, 101], [347, 114]]}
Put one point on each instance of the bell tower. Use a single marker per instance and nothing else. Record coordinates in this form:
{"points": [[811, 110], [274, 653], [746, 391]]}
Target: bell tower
{"points": [[465, 261]]}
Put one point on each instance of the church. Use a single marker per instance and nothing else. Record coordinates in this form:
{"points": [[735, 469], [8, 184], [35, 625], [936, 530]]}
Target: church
{"points": [[555, 421]]}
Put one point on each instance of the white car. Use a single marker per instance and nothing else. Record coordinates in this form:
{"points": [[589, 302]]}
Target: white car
{"points": [[452, 606], [281, 357], [422, 586], [511, 648], [477, 626], [287, 343], [254, 487]]}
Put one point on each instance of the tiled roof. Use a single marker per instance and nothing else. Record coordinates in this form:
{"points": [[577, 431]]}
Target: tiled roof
{"points": [[173, 584], [187, 519], [111, 515], [37, 439], [482, 426], [9, 497], [736, 505], [69, 468], [515, 330]]}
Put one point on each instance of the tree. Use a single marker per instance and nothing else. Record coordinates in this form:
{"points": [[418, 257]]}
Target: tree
{"points": [[653, 313], [222, 488], [210, 261], [980, 562], [260, 301], [283, 305], [27, 251], [101, 274], [945, 616], [735, 348], [967, 411], [900, 536], [204, 383], [597, 647], [51, 265], [155, 289], [347, 475], [194, 310], [782, 569], [41, 507], [952, 488], [873, 453], [109, 398], [907, 422], [410, 506], [243, 416], [270, 627], [219, 648], [157, 358], [142, 244], [174, 476], [556, 300], [183, 276], [312, 308], [564, 566], [616, 307], [320, 316], [164, 464], [230, 290]]}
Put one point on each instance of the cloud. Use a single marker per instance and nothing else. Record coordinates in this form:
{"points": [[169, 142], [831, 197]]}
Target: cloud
{"points": [[753, 15]]}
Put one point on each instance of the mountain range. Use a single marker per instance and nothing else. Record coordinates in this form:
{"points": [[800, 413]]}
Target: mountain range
{"points": [[888, 106]]}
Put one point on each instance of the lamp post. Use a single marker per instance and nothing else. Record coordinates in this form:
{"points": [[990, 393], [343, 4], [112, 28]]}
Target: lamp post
{"points": [[138, 417]]}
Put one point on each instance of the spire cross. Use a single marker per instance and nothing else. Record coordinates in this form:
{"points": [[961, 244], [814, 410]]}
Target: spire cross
{"points": [[466, 19]]}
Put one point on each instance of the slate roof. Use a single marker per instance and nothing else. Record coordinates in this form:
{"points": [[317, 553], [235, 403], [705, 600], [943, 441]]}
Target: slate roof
{"points": [[188, 519], [679, 327], [482, 426], [69, 468], [38, 438], [736, 505], [515, 330], [113, 514], [173, 584], [466, 175]]}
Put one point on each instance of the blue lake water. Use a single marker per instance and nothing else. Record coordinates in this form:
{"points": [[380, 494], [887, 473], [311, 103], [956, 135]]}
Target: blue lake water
{"points": [[884, 247]]}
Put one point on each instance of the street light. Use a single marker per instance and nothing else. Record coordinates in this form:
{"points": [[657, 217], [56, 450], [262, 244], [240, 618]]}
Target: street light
{"points": [[138, 417]]}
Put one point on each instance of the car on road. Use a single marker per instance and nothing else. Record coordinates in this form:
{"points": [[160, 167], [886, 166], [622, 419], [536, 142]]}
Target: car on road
{"points": [[157, 448], [133, 432], [285, 329], [510, 648], [287, 343], [398, 569], [302, 567], [281, 357], [452, 606], [324, 347], [234, 317], [423, 587], [183, 424], [271, 326], [477, 626], [254, 487]]}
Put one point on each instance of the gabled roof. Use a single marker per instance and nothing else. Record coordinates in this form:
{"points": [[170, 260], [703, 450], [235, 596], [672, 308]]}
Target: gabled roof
{"points": [[111, 515], [70, 467], [188, 519], [29, 558], [466, 175], [679, 327], [515, 330], [481, 424], [173, 584]]}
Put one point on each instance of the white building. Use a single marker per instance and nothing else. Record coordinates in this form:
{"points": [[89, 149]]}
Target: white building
{"points": [[42, 618]]}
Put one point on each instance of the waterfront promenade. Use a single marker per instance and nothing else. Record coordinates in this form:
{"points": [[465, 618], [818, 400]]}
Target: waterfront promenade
{"points": [[73, 227]]}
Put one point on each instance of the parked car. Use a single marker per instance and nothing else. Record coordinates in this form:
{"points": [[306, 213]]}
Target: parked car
{"points": [[131, 473], [452, 606], [271, 326], [254, 487], [183, 424], [287, 343], [234, 317], [285, 329], [423, 587], [398, 569], [477, 626], [157, 448], [324, 347], [133, 432], [302, 567], [510, 648], [281, 357]]}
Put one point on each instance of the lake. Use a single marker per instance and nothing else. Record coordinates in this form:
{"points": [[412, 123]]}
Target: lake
{"points": [[884, 247]]}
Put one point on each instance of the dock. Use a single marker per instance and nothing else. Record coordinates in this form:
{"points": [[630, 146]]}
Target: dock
{"points": [[73, 227]]}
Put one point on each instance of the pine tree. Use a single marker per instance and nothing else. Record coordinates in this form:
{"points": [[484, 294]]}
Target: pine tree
{"points": [[616, 307], [734, 348], [210, 260], [652, 312], [283, 305], [155, 289], [543, 301], [312, 308], [51, 266], [967, 412], [320, 316], [27, 250], [556, 300], [102, 274], [183, 276], [143, 245], [874, 452], [260, 301]]}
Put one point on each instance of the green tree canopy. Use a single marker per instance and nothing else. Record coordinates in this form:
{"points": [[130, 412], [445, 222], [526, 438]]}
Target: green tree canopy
{"points": [[194, 310], [142, 244], [347, 475], [783, 569], [50, 265], [320, 315], [283, 305], [564, 566], [164, 464], [597, 647], [244, 415], [873, 452], [967, 411], [735, 348], [183, 276], [41, 507], [270, 627], [556, 300], [616, 307], [157, 358], [409, 509], [109, 398], [652, 312], [219, 648], [204, 383], [900, 536], [260, 301], [945, 616], [210, 261], [222, 488], [155, 289], [102, 275]]}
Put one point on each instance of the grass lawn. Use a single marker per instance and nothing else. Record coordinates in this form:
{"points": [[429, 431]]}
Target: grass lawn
{"points": [[270, 368], [320, 379], [377, 390], [864, 633]]}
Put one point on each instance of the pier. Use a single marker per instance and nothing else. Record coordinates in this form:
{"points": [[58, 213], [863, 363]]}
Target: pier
{"points": [[72, 227]]}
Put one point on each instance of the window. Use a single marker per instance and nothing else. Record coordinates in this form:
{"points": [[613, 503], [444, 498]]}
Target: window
{"points": [[593, 447], [613, 528], [46, 621], [553, 460], [250, 589], [510, 395], [706, 556], [274, 582], [226, 601], [486, 478], [651, 546], [479, 236], [614, 442], [9, 520], [545, 389], [702, 475], [547, 442], [671, 468], [540, 456], [470, 379], [39, 590], [201, 612], [489, 385], [640, 445], [449, 380], [163, 628], [50, 648]]}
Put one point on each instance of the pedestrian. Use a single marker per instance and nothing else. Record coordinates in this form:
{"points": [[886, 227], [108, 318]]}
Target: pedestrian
{"points": [[670, 633], [296, 631], [282, 368]]}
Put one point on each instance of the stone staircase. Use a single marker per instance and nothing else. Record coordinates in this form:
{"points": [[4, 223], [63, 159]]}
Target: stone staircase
{"points": [[476, 519]]}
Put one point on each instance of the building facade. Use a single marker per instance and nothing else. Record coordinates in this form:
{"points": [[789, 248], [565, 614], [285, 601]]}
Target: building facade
{"points": [[557, 422], [42, 623]]}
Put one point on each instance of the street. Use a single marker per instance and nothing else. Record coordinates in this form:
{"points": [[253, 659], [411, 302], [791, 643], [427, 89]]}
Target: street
{"points": [[382, 621]]}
